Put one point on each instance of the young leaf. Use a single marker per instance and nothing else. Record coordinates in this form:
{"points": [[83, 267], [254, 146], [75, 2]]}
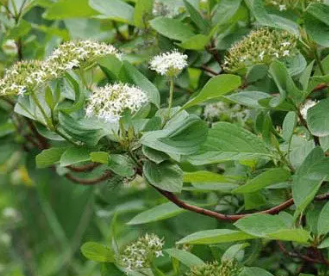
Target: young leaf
{"points": [[49, 157], [318, 118], [185, 257], [97, 252], [267, 178], [229, 142], [74, 155], [157, 213], [215, 88], [323, 222], [215, 236]]}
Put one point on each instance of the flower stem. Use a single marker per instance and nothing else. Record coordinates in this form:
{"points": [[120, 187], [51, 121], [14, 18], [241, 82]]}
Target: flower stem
{"points": [[171, 96], [48, 121], [318, 61]]}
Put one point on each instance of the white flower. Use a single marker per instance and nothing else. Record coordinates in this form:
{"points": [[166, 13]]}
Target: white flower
{"points": [[10, 47], [109, 102], [261, 55], [10, 213], [169, 64], [286, 53], [306, 106], [158, 254], [282, 7], [214, 110], [286, 43]]}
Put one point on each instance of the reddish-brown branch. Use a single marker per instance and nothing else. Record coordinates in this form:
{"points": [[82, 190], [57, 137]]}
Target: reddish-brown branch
{"points": [[220, 216], [209, 70], [41, 140], [320, 87], [85, 168], [89, 182]]}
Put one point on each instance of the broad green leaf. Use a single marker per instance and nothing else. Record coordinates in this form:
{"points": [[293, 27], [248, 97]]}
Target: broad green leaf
{"points": [[319, 11], [317, 30], [157, 213], [196, 42], [165, 176], [182, 137], [184, 257], [308, 179], [271, 227], [215, 236], [206, 176], [115, 9], [80, 131], [225, 11], [172, 28], [248, 98], [323, 222], [267, 178], [288, 126], [74, 155], [141, 81], [97, 252], [197, 18], [121, 165], [99, 157], [318, 118], [215, 88], [306, 75], [248, 271], [324, 244], [143, 10], [49, 157], [69, 9], [234, 252], [229, 142]]}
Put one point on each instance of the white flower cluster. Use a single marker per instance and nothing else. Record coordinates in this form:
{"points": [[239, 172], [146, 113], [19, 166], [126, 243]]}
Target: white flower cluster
{"points": [[109, 102], [140, 254], [283, 5], [260, 47], [71, 54], [306, 106], [28, 75], [169, 64]]}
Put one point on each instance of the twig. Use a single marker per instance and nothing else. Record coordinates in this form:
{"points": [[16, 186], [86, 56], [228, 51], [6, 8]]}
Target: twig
{"points": [[86, 168], [220, 216], [89, 182], [209, 70]]}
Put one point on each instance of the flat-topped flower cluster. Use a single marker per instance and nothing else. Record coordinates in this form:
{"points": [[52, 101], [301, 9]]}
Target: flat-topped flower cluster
{"points": [[260, 47], [109, 102], [226, 268], [140, 254], [28, 75]]}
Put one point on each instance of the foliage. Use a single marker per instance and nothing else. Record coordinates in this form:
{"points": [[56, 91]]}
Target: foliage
{"points": [[164, 137]]}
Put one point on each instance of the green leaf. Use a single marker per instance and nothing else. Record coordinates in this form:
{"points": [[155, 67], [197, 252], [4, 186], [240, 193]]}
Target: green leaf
{"points": [[196, 42], [215, 88], [49, 157], [157, 213], [99, 157], [115, 9], [155, 156], [121, 165], [323, 222], [165, 176], [317, 30], [318, 118], [308, 178], [225, 11], [206, 176], [215, 236], [185, 257], [247, 271], [143, 9], [172, 28], [267, 178], [271, 227], [97, 252], [234, 251], [141, 81], [184, 137], [229, 142], [69, 9], [289, 125], [197, 18], [80, 131], [319, 11], [74, 155], [248, 98]]}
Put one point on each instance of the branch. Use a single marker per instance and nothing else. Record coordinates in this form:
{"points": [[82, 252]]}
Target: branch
{"points": [[220, 216], [89, 182], [209, 70], [86, 168]]}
